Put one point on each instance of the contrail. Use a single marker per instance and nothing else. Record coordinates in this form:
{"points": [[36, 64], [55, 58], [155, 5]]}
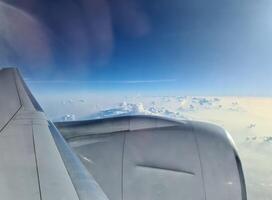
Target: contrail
{"points": [[99, 81]]}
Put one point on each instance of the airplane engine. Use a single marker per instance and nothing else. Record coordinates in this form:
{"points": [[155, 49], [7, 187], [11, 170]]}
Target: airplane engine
{"points": [[148, 157]]}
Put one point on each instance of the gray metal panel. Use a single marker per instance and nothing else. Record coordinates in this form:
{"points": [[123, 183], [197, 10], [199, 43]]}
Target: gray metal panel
{"points": [[18, 169], [157, 158], [81, 128], [113, 125], [54, 179], [32, 163], [9, 99], [84, 183], [102, 155], [220, 170], [162, 164]]}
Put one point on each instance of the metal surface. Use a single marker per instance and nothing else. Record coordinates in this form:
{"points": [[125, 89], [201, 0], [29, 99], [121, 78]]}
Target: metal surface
{"points": [[9, 100], [147, 157], [33, 163], [122, 158], [84, 183]]}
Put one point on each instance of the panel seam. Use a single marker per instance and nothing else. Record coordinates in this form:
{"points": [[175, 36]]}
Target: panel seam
{"points": [[36, 161], [200, 161], [122, 167], [58, 149]]}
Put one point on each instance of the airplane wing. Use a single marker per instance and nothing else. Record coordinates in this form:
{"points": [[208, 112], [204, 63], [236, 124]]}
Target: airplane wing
{"points": [[35, 161], [121, 158]]}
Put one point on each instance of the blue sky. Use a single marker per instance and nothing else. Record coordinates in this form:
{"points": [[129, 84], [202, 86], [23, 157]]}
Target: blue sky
{"points": [[211, 47]]}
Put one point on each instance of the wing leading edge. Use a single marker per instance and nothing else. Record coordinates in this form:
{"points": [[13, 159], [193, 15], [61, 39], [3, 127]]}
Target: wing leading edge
{"points": [[36, 163]]}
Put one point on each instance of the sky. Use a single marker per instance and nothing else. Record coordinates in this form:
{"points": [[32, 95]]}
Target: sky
{"points": [[184, 47]]}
